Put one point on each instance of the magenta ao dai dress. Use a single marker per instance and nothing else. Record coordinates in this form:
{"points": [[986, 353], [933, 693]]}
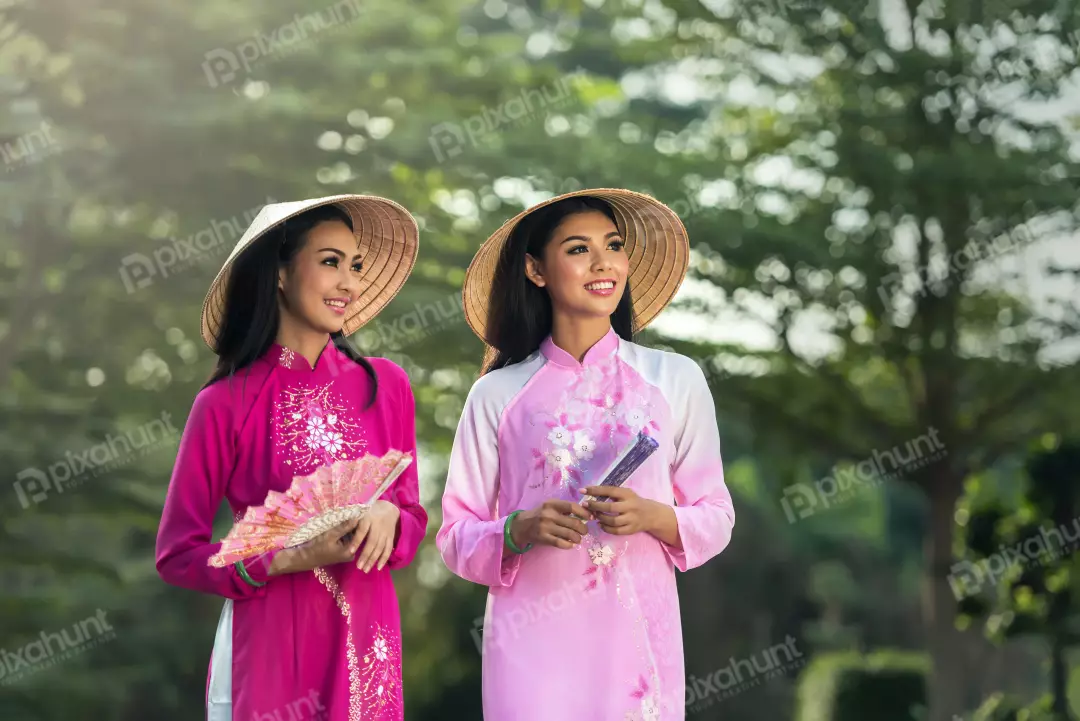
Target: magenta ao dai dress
{"points": [[321, 645]]}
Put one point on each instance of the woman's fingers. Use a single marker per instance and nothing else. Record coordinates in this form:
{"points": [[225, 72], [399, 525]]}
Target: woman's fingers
{"points": [[600, 506], [362, 530], [617, 525], [615, 493], [566, 508], [364, 562], [559, 542], [580, 511], [388, 550], [565, 533], [615, 521], [380, 558], [573, 524]]}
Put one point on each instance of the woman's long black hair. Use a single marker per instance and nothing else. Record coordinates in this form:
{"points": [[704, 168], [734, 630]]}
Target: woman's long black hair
{"points": [[519, 312], [251, 314]]}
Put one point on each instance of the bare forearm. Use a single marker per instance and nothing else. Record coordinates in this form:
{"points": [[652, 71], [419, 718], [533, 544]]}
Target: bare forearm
{"points": [[665, 525]]}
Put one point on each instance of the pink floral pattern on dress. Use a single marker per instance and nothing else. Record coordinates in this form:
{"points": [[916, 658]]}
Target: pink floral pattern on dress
{"points": [[597, 414], [644, 705], [604, 559]]}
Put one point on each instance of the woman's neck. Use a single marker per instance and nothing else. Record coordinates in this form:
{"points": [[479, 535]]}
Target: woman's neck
{"points": [[304, 341], [577, 335]]}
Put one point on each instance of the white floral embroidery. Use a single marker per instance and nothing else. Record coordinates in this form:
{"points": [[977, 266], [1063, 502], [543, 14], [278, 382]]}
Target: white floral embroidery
{"points": [[302, 435], [576, 407], [559, 436], [649, 710], [601, 555], [583, 446], [332, 442], [560, 458], [636, 418], [381, 652]]}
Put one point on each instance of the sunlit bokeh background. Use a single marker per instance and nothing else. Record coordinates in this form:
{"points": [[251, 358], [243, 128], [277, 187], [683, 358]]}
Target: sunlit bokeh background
{"points": [[882, 202]]}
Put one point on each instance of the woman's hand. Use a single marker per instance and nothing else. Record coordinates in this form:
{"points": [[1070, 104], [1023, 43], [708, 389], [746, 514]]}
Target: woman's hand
{"points": [[626, 512], [378, 528], [550, 524], [324, 550]]}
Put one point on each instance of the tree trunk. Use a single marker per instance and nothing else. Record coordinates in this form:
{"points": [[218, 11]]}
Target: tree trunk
{"points": [[947, 687]]}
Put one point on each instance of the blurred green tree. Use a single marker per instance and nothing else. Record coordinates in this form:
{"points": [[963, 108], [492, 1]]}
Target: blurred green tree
{"points": [[1025, 575]]}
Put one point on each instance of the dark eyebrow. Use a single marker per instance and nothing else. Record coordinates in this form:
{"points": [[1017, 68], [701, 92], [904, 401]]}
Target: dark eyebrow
{"points": [[586, 240], [337, 252]]}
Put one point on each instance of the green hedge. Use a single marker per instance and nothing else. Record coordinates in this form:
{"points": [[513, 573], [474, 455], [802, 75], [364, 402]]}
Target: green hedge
{"points": [[885, 686]]}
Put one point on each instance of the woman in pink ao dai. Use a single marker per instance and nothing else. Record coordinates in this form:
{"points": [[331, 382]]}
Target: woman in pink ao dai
{"points": [[582, 617]]}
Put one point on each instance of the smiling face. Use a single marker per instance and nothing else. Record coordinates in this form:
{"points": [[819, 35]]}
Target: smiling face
{"points": [[322, 279], [583, 267]]}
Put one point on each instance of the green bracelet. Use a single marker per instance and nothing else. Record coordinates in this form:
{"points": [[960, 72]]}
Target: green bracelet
{"points": [[239, 565], [510, 539]]}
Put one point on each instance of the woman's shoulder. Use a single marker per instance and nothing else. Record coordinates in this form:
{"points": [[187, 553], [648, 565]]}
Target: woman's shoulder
{"points": [[387, 370], [660, 363], [498, 387], [217, 398], [226, 394]]}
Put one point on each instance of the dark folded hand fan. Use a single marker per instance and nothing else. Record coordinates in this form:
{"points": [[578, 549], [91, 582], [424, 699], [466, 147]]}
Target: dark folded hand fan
{"points": [[629, 460]]}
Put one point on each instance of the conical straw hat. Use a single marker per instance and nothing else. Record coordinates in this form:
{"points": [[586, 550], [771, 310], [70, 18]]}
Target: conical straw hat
{"points": [[387, 236], [656, 242]]}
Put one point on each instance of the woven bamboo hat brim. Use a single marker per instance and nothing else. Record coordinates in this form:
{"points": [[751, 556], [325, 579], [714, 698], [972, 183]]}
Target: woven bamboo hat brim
{"points": [[387, 236], [656, 242]]}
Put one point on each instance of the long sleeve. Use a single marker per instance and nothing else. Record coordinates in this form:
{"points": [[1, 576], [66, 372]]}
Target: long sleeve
{"points": [[405, 493], [204, 462], [471, 537], [703, 507]]}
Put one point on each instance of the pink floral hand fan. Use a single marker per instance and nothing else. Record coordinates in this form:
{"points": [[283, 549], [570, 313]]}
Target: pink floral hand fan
{"points": [[343, 491]]}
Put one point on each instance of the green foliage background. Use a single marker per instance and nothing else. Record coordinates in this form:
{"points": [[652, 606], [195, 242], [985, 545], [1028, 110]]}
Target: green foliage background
{"points": [[882, 202]]}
